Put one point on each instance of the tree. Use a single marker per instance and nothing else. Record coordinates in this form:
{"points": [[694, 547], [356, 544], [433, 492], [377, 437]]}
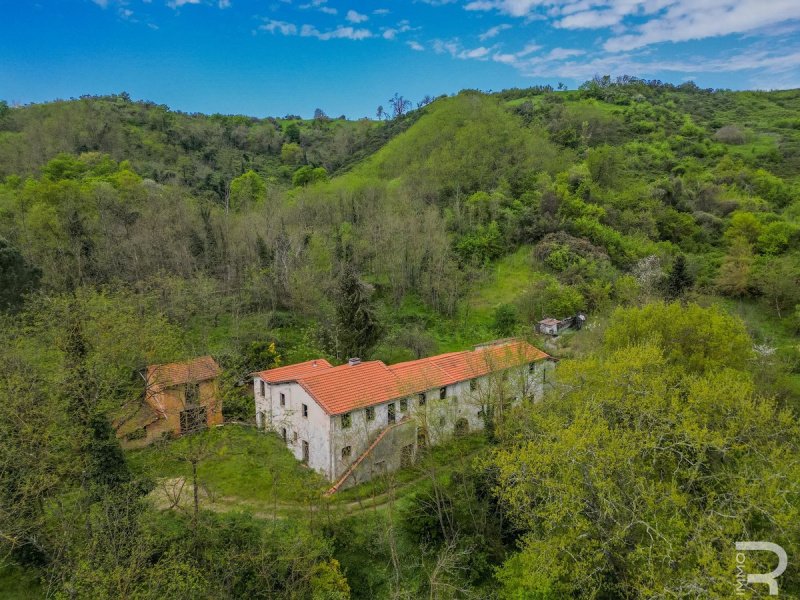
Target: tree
{"points": [[17, 277], [359, 328], [505, 320], [319, 115], [778, 280], [679, 279], [734, 276], [698, 339], [379, 113], [292, 133], [399, 105], [307, 175], [617, 480], [291, 154], [246, 190]]}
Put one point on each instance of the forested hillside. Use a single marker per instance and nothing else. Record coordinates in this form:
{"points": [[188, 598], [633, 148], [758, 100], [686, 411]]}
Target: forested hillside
{"points": [[131, 234]]}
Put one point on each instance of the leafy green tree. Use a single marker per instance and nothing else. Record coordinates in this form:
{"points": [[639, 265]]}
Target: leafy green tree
{"points": [[292, 133], [17, 277], [699, 339], [247, 190], [735, 273], [778, 280], [617, 481], [291, 154], [307, 175]]}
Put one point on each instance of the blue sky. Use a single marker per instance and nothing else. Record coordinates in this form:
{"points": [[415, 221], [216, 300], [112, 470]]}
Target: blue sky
{"points": [[275, 57]]}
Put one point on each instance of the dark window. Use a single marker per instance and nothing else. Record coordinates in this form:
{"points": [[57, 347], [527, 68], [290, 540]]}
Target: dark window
{"points": [[532, 367], [473, 385], [305, 410], [263, 390], [462, 427], [441, 421], [407, 455], [294, 437], [346, 420], [283, 399], [283, 432], [192, 394], [193, 419], [422, 399], [404, 405], [442, 393], [346, 452], [370, 413], [305, 452], [391, 413]]}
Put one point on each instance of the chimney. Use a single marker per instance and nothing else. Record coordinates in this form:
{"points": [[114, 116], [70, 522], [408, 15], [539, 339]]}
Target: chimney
{"points": [[353, 361]]}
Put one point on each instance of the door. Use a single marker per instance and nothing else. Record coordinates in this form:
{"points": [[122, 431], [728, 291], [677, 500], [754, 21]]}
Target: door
{"points": [[391, 413], [305, 452], [193, 419]]}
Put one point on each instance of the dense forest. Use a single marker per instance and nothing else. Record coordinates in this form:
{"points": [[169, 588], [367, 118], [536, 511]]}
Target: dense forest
{"points": [[131, 234]]}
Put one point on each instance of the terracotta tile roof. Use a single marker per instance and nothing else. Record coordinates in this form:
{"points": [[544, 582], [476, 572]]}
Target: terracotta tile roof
{"points": [[295, 371], [345, 388], [425, 374], [164, 376], [447, 369], [342, 389]]}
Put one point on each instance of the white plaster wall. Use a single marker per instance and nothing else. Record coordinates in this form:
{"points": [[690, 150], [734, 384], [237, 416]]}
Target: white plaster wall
{"points": [[327, 437], [314, 429]]}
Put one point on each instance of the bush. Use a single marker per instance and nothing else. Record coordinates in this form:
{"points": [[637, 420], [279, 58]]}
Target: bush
{"points": [[730, 134]]}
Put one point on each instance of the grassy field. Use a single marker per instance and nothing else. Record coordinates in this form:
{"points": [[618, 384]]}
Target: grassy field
{"points": [[237, 461], [16, 584]]}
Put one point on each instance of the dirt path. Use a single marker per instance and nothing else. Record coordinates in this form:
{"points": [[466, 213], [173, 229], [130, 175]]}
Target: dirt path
{"points": [[176, 493]]}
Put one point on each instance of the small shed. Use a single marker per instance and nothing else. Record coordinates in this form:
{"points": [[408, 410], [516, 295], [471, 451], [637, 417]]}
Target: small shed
{"points": [[548, 326], [178, 398]]}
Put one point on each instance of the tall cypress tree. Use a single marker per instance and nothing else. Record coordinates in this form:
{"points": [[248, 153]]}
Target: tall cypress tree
{"points": [[679, 280], [359, 327]]}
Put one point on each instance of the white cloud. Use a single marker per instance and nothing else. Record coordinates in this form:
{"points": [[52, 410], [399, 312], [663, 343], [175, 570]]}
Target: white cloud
{"points": [[381, 11], [101, 3], [456, 50], [328, 10], [175, 4], [686, 20], [640, 23], [356, 17], [493, 32], [346, 33], [224, 3], [415, 46], [389, 34], [281, 27]]}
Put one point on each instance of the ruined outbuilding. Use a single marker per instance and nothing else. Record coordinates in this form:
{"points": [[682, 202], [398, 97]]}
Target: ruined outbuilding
{"points": [[177, 398]]}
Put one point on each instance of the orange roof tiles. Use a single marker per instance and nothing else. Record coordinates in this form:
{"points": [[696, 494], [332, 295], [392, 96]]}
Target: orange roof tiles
{"points": [[295, 371], [341, 389], [347, 387], [167, 375]]}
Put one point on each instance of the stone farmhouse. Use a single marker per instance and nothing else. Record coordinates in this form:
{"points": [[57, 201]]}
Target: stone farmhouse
{"points": [[358, 420], [178, 398]]}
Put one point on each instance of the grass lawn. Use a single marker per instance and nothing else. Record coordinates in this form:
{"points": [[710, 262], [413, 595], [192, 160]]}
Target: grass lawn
{"points": [[238, 461], [16, 584]]}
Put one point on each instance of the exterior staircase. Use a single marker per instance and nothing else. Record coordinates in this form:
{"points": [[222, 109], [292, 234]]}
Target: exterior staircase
{"points": [[354, 465]]}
